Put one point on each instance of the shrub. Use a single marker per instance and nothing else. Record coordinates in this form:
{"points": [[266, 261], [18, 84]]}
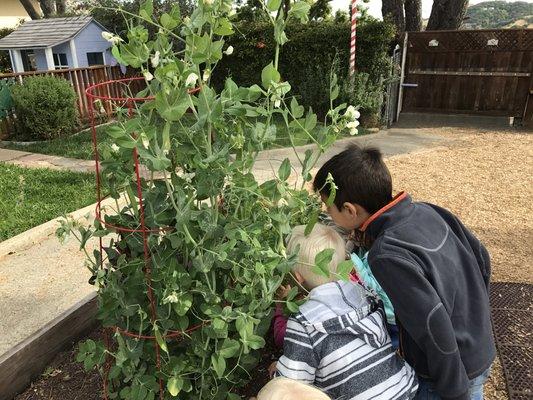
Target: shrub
{"points": [[308, 56], [45, 107]]}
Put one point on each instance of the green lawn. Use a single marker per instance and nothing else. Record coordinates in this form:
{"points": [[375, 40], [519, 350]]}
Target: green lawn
{"points": [[75, 146], [30, 197], [81, 145]]}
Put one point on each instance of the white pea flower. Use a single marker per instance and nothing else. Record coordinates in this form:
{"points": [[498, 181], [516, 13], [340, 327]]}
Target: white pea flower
{"points": [[354, 131], [114, 39], [335, 129], [229, 51], [206, 75], [186, 20], [171, 298], [155, 59], [352, 124], [115, 148], [145, 141], [352, 113], [208, 2], [191, 79], [148, 76], [187, 177], [277, 103]]}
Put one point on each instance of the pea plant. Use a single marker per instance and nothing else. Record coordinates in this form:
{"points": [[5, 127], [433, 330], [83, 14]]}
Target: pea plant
{"points": [[216, 241]]}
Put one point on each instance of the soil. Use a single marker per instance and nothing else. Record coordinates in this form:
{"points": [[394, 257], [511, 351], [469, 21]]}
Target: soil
{"points": [[66, 379], [485, 177]]}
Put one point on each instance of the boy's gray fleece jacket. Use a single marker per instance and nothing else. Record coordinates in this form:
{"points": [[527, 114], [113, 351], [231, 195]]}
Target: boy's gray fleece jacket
{"points": [[338, 342], [436, 274]]}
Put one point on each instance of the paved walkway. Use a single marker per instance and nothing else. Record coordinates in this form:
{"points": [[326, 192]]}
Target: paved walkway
{"points": [[34, 160], [40, 279]]}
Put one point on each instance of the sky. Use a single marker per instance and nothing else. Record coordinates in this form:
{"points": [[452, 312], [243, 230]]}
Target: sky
{"points": [[374, 6]]}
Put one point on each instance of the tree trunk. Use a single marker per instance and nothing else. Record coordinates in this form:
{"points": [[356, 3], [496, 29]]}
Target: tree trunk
{"points": [[30, 9], [413, 15], [61, 7], [48, 8], [447, 14], [392, 10]]}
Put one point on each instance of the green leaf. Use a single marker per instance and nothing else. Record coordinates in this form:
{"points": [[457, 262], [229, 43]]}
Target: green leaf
{"points": [[293, 307], [148, 7], [168, 22], [160, 341], [332, 190], [229, 348], [310, 121], [344, 269], [269, 75], [174, 385], [166, 137], [273, 5], [300, 10], [255, 342], [311, 224], [284, 170], [224, 27], [322, 261], [171, 106], [297, 111], [219, 365]]}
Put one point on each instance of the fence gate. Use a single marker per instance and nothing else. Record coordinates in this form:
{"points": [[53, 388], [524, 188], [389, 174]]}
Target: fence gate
{"points": [[477, 72]]}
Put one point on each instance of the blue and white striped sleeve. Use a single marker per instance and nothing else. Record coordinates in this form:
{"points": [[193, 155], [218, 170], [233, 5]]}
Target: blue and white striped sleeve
{"points": [[299, 360]]}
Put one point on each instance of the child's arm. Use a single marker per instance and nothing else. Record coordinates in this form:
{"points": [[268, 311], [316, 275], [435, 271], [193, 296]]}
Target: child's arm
{"points": [[279, 325], [299, 360]]}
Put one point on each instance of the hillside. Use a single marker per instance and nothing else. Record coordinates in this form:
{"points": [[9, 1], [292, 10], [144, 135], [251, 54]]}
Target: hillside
{"points": [[499, 14]]}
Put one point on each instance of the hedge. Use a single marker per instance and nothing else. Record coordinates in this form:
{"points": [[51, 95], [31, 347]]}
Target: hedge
{"points": [[307, 58]]}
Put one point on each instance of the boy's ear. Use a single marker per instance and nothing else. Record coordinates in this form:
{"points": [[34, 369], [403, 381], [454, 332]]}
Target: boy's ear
{"points": [[351, 209]]}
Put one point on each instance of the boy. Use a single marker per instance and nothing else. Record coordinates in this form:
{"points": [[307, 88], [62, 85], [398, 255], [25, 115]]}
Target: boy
{"points": [[433, 269], [338, 340]]}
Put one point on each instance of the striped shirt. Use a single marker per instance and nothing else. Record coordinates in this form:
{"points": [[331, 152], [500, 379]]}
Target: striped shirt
{"points": [[338, 342]]}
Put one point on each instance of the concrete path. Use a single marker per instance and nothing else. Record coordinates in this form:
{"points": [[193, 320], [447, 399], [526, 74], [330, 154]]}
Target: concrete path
{"points": [[40, 278], [34, 160]]}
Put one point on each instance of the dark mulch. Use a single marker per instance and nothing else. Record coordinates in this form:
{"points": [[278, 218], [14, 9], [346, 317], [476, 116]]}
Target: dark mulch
{"points": [[66, 379]]}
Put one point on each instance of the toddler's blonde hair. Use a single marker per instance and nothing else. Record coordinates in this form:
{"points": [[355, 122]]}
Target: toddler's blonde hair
{"points": [[288, 389], [322, 237]]}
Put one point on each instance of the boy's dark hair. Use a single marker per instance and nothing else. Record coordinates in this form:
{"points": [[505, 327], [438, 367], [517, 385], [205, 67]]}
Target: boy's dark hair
{"points": [[361, 177]]}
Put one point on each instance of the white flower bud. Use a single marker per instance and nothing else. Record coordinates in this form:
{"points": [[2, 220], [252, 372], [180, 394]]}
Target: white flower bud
{"points": [[115, 148], [206, 75], [352, 124], [155, 59], [208, 2], [277, 103], [229, 51], [114, 39], [148, 76], [191, 79]]}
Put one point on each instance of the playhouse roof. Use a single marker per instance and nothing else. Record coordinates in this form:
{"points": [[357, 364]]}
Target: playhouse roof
{"points": [[42, 33]]}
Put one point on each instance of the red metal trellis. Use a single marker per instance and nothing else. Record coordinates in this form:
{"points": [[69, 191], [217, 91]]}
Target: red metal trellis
{"points": [[98, 93]]}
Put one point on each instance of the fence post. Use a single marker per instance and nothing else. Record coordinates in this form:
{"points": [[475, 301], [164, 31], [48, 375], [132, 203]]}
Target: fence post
{"points": [[402, 76]]}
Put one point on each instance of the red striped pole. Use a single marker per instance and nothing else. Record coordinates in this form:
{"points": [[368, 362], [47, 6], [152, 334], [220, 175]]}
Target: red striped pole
{"points": [[353, 37]]}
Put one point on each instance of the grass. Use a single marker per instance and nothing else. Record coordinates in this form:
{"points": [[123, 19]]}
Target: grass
{"points": [[75, 146], [81, 145], [30, 197]]}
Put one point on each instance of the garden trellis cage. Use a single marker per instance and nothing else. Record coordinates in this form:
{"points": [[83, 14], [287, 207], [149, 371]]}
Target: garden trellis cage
{"points": [[118, 95]]}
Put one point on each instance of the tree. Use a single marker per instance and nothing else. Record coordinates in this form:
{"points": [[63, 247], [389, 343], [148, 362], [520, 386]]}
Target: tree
{"points": [[447, 14], [393, 11], [30, 9], [321, 9], [48, 7], [61, 7], [413, 15]]}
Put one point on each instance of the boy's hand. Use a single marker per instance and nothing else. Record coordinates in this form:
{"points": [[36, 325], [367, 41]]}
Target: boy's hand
{"points": [[272, 369], [283, 291]]}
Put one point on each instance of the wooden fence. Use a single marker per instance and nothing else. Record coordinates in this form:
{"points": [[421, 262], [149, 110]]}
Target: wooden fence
{"points": [[80, 79], [481, 72]]}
